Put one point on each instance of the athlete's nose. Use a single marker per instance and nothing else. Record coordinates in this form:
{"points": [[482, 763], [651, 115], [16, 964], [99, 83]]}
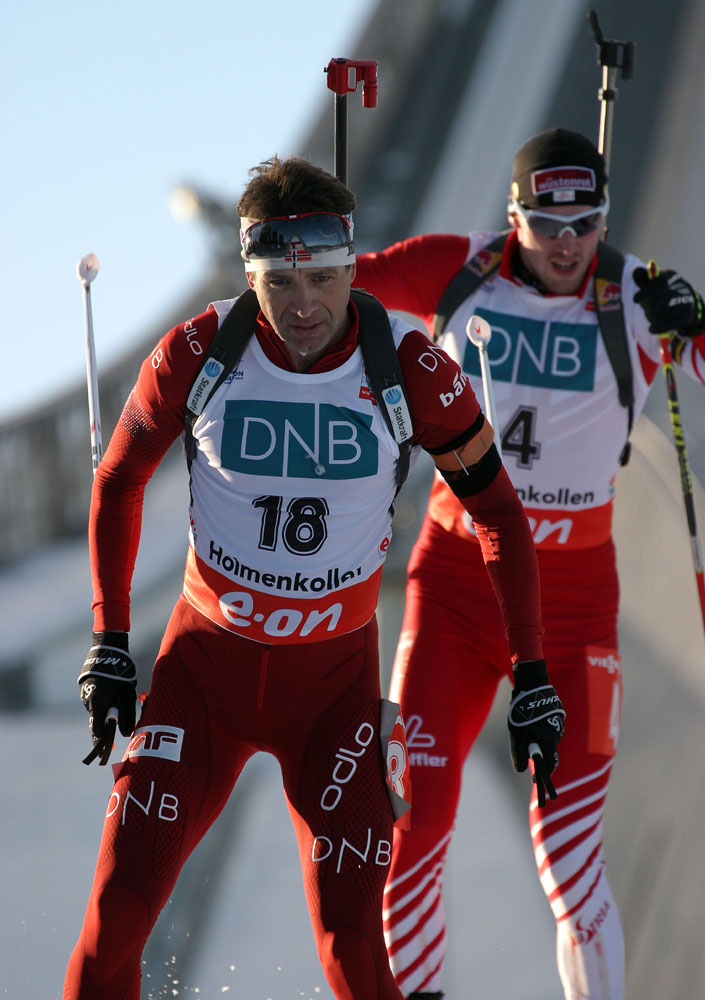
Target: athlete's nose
{"points": [[304, 302], [566, 237]]}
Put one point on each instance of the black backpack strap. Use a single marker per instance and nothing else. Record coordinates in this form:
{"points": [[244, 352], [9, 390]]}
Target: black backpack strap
{"points": [[222, 356], [384, 374], [378, 352], [470, 276], [610, 316]]}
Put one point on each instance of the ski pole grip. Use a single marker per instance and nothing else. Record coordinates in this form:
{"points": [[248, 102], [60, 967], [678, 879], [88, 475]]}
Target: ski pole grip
{"points": [[613, 53], [345, 74]]}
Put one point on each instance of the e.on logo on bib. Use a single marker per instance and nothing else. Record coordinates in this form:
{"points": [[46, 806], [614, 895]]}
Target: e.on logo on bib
{"points": [[302, 440]]}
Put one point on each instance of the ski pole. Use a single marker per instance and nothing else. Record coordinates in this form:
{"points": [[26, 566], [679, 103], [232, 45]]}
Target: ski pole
{"points": [[682, 453], [609, 52], [479, 333], [343, 78], [86, 271]]}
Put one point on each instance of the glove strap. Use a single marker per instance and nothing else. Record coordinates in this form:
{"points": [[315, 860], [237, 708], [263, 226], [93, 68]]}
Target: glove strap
{"points": [[104, 745]]}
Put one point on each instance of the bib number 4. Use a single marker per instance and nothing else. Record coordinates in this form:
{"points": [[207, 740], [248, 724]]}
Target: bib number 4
{"points": [[518, 437]]}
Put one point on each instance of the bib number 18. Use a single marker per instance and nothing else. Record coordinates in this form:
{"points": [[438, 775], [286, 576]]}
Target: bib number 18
{"points": [[304, 529]]}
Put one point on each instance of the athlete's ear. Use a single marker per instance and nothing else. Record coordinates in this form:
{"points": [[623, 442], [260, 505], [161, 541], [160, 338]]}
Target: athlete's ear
{"points": [[353, 271], [250, 278], [513, 219]]}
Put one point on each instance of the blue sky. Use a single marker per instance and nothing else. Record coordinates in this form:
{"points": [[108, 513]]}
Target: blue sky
{"points": [[105, 109]]}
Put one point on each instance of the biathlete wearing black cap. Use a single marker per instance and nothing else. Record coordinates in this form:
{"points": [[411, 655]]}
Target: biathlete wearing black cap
{"points": [[273, 644], [562, 430]]}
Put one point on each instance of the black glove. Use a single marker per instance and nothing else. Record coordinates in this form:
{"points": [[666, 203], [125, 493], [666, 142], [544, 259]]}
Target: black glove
{"points": [[535, 721], [669, 302], [108, 689]]}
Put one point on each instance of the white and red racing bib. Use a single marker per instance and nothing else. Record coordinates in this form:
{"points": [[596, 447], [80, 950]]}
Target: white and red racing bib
{"points": [[291, 492]]}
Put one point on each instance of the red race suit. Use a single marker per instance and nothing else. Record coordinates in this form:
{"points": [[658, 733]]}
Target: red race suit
{"points": [[562, 430], [273, 644]]}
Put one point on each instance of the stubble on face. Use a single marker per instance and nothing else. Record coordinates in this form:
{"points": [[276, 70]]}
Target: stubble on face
{"points": [[307, 308], [560, 264]]}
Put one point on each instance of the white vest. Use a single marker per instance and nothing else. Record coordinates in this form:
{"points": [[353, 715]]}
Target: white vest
{"points": [[558, 410], [291, 491]]}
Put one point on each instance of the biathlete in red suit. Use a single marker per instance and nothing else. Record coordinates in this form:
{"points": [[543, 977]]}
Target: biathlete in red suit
{"points": [[273, 644], [562, 431]]}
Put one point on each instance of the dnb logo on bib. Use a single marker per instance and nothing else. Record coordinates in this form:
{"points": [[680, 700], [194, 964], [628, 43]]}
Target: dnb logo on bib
{"points": [[538, 353], [302, 440]]}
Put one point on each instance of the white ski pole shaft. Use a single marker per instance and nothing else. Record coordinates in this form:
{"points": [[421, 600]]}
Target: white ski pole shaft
{"points": [[86, 270], [479, 332]]}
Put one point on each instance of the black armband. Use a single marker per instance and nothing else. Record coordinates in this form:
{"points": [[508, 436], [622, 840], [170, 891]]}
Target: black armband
{"points": [[462, 439], [469, 482]]}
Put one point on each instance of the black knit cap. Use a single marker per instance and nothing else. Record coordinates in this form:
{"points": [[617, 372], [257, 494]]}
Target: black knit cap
{"points": [[558, 167]]}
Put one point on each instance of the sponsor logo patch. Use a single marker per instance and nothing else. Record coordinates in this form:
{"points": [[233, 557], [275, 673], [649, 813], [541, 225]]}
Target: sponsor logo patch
{"points": [[557, 179], [156, 741]]}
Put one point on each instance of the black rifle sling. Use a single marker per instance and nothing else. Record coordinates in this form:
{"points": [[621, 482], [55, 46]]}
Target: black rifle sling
{"points": [[226, 348], [382, 366], [610, 313], [610, 316], [376, 343]]}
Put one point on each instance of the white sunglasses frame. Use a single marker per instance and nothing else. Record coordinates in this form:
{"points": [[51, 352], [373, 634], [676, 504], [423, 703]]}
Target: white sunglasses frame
{"points": [[526, 213]]}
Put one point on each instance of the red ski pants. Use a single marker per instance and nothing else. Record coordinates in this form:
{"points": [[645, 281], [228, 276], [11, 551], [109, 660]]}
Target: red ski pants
{"points": [[215, 700], [451, 658]]}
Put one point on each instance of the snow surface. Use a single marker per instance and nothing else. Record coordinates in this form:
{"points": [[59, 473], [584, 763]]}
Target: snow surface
{"points": [[256, 944]]}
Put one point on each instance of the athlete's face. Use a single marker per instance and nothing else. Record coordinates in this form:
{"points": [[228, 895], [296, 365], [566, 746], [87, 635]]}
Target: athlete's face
{"points": [[307, 308], [561, 262]]}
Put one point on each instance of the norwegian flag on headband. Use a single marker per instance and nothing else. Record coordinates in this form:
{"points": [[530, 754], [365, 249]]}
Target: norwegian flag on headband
{"points": [[297, 253]]}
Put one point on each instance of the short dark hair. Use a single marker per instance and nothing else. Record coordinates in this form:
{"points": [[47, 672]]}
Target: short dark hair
{"points": [[290, 187]]}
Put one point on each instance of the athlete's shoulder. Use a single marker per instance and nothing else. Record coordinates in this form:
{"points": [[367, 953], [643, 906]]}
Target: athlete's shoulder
{"points": [[412, 275], [441, 398], [167, 373], [417, 352], [439, 251]]}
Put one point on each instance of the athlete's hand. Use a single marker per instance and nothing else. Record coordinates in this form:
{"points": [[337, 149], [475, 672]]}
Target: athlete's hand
{"points": [[535, 721], [108, 688], [670, 303]]}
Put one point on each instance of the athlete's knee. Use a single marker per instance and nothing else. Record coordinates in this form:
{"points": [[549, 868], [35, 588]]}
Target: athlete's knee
{"points": [[116, 928]]}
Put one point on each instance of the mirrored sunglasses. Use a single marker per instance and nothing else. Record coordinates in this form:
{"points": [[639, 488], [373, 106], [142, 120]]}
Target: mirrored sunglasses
{"points": [[553, 226], [309, 233]]}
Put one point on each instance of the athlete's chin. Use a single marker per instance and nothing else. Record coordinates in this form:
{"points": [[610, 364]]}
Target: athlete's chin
{"points": [[307, 347], [309, 334], [565, 278], [309, 339]]}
